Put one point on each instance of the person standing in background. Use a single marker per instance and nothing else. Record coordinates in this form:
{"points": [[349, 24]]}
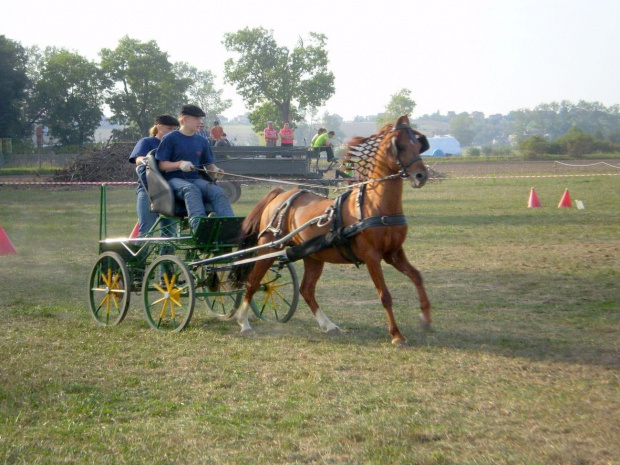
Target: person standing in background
{"points": [[286, 135], [271, 135]]}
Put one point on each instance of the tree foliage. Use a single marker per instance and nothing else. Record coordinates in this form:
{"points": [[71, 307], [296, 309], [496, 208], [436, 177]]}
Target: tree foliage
{"points": [[201, 90], [461, 127], [400, 104], [13, 87], [67, 96], [265, 72], [144, 83]]}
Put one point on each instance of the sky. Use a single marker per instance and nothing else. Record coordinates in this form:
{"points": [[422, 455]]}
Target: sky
{"points": [[492, 56]]}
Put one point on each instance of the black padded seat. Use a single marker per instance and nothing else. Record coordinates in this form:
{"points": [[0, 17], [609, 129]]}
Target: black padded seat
{"points": [[160, 193]]}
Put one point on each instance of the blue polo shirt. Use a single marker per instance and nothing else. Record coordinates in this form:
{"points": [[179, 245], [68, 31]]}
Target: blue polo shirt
{"points": [[142, 148], [176, 146]]}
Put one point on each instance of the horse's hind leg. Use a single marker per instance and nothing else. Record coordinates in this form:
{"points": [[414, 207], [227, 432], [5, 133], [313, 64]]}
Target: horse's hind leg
{"points": [[376, 273], [399, 261], [312, 272]]}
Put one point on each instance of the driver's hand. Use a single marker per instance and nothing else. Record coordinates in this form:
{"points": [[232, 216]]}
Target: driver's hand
{"points": [[186, 166]]}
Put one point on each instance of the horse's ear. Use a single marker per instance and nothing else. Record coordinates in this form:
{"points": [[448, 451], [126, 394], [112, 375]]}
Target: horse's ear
{"points": [[403, 120]]}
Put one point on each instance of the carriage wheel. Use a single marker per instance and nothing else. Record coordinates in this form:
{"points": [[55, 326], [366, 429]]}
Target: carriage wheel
{"points": [[278, 294], [219, 295], [108, 289], [231, 189], [168, 294]]}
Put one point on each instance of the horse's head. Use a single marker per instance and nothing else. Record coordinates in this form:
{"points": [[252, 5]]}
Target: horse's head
{"points": [[407, 148]]}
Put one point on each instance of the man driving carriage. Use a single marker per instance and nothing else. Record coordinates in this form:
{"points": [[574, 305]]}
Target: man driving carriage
{"points": [[178, 155]]}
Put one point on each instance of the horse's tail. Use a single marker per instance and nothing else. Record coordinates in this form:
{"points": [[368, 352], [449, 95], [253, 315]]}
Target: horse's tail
{"points": [[248, 237]]}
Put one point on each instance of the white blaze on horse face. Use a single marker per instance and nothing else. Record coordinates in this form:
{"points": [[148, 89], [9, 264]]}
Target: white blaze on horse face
{"points": [[324, 322], [242, 317]]}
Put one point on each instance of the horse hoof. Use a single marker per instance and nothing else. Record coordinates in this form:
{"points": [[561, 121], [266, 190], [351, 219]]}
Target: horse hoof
{"points": [[425, 326], [247, 332], [401, 343], [335, 331]]}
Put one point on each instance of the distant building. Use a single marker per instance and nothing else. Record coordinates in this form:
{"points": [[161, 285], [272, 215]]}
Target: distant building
{"points": [[443, 146], [477, 115]]}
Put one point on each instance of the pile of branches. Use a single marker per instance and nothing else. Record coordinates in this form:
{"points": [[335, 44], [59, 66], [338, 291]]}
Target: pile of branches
{"points": [[101, 165]]}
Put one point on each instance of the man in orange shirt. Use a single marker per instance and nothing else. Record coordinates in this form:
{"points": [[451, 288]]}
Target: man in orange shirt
{"points": [[216, 131]]}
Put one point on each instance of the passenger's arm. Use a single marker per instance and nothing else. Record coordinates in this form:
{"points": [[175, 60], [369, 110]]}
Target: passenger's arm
{"points": [[175, 165]]}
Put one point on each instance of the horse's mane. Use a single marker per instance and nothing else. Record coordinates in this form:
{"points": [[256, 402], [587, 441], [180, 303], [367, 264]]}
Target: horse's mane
{"points": [[361, 151]]}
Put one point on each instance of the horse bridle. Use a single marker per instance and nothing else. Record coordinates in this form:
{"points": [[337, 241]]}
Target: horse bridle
{"points": [[413, 138]]}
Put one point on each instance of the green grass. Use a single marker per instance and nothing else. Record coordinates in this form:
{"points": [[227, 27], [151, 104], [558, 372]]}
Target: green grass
{"points": [[522, 365]]}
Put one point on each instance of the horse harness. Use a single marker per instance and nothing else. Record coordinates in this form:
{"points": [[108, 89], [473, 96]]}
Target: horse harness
{"points": [[339, 236]]}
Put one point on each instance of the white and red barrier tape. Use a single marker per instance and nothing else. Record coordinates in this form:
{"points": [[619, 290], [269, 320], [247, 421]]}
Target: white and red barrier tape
{"points": [[133, 183]]}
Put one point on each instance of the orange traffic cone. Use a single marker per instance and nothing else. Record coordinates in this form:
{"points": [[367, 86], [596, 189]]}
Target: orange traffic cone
{"points": [[135, 231], [533, 202], [6, 247], [565, 200]]}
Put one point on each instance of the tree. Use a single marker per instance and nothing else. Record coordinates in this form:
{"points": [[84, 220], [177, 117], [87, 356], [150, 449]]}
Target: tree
{"points": [[202, 91], [576, 142], [265, 72], [533, 147], [400, 104], [144, 83], [461, 128], [67, 97], [13, 86]]}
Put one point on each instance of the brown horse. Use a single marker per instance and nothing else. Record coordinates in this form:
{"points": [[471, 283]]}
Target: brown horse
{"points": [[384, 160]]}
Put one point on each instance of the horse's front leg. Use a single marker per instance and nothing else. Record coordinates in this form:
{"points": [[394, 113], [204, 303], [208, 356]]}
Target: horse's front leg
{"points": [[376, 273], [312, 272], [252, 284], [399, 261]]}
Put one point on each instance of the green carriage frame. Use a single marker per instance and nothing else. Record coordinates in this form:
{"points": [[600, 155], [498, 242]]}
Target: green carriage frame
{"points": [[172, 273]]}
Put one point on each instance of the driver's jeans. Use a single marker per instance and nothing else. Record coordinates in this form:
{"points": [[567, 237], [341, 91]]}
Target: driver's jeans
{"points": [[201, 196]]}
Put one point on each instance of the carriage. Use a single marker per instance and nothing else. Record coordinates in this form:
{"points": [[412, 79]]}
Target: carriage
{"points": [[172, 273], [235, 265]]}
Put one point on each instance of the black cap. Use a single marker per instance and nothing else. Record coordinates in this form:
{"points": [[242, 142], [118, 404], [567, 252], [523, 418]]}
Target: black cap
{"points": [[192, 110], [166, 120]]}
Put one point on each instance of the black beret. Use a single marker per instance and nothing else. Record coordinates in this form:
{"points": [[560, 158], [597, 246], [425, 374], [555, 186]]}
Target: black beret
{"points": [[166, 120], [192, 110]]}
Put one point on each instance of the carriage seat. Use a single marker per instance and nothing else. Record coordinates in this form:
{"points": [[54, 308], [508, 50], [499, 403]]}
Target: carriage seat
{"points": [[161, 195]]}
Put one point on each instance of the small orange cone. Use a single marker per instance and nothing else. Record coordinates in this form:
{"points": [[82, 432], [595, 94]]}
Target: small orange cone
{"points": [[533, 202], [6, 248], [565, 200], [136, 231]]}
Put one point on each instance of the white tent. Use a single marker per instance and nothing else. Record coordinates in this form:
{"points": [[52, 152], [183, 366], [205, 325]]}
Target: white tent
{"points": [[443, 145]]}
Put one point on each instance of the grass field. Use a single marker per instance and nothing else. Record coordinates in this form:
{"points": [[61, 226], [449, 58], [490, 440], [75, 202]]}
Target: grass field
{"points": [[522, 367]]}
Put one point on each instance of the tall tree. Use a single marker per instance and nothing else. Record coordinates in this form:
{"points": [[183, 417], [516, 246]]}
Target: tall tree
{"points": [[461, 127], [13, 86], [202, 91], [265, 72], [144, 83], [400, 104], [68, 96]]}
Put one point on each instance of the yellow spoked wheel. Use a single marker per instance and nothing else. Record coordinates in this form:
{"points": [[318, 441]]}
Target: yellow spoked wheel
{"points": [[108, 289], [168, 294], [219, 295], [278, 294]]}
